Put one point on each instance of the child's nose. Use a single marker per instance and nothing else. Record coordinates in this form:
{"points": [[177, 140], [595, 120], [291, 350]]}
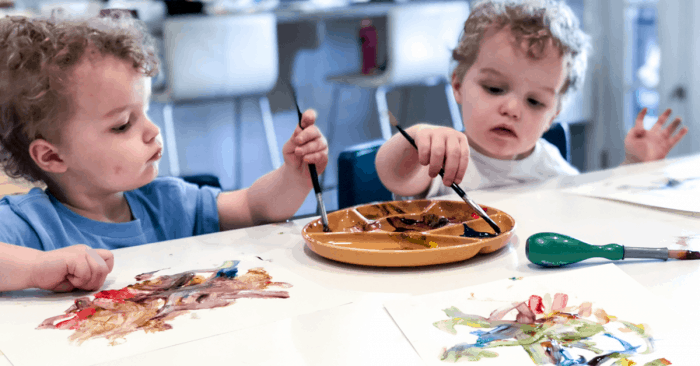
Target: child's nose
{"points": [[152, 131], [511, 108]]}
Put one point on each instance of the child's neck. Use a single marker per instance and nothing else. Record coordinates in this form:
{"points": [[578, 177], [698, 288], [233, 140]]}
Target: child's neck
{"points": [[112, 208]]}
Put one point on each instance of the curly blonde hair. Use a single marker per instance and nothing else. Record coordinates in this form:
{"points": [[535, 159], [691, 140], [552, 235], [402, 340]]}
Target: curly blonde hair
{"points": [[37, 58], [532, 21]]}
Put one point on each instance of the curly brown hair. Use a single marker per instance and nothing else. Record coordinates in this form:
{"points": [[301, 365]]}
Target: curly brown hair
{"points": [[533, 21], [37, 58]]}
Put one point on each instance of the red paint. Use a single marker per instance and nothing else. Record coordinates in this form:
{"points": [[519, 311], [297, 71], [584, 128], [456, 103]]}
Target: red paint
{"points": [[475, 215], [85, 313], [116, 295], [560, 301], [535, 304], [71, 323]]}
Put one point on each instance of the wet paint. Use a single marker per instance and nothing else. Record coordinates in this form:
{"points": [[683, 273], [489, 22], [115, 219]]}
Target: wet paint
{"points": [[551, 332], [149, 305], [471, 233]]}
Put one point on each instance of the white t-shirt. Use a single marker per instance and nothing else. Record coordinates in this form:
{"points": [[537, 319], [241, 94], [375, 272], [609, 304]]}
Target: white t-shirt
{"points": [[485, 172]]}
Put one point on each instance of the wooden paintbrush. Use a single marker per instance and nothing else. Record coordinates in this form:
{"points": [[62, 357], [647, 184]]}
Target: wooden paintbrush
{"points": [[455, 187], [314, 177]]}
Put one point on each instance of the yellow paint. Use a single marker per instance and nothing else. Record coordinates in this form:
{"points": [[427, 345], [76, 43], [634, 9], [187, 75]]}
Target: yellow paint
{"points": [[432, 244]]}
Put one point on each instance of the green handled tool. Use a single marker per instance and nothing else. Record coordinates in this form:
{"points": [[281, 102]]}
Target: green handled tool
{"points": [[556, 250]]}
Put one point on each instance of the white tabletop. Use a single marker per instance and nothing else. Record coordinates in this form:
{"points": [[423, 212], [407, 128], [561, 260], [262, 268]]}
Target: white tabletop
{"points": [[362, 332]]}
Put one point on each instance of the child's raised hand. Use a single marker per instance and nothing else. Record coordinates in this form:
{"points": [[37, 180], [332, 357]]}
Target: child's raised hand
{"points": [[77, 266], [307, 145], [653, 144], [443, 147]]}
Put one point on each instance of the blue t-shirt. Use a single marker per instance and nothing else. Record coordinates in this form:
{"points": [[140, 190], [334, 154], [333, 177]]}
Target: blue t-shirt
{"points": [[165, 209]]}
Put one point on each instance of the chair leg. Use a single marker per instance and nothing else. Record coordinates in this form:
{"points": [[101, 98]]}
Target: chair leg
{"points": [[169, 137], [454, 108], [238, 146], [383, 110], [270, 132]]}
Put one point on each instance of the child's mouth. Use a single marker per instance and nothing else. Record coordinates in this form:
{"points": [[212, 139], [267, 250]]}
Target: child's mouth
{"points": [[504, 131]]}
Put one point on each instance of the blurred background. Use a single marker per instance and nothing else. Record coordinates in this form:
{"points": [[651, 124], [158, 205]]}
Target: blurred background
{"points": [[223, 98]]}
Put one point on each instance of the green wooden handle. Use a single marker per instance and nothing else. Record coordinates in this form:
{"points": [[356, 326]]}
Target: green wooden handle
{"points": [[554, 250]]}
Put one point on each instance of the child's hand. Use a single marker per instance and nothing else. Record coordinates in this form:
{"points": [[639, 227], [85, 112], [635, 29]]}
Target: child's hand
{"points": [[654, 144], [77, 266], [307, 145], [443, 147]]}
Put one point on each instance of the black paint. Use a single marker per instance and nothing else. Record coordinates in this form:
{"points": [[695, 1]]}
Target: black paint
{"points": [[471, 233]]}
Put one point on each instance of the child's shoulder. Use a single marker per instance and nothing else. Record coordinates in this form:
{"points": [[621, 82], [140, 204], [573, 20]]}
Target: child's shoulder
{"points": [[36, 196]]}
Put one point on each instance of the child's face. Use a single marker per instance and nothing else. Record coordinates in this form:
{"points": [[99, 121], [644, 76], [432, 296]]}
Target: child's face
{"points": [[509, 99], [110, 144]]}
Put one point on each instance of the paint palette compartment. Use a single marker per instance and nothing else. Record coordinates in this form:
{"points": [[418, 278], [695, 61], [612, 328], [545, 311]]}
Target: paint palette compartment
{"points": [[407, 233]]}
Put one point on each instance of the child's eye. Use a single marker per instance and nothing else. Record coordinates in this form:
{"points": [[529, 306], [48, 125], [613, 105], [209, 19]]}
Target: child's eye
{"points": [[535, 103], [122, 128], [493, 90]]}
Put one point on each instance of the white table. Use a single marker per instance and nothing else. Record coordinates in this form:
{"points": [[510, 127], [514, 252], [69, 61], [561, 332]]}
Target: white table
{"points": [[363, 333]]}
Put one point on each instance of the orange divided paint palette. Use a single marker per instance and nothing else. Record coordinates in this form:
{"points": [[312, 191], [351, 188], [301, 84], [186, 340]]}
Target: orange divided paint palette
{"points": [[407, 233]]}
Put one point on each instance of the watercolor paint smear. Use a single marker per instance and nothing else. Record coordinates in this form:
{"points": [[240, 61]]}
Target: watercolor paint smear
{"points": [[591, 316], [160, 309]]}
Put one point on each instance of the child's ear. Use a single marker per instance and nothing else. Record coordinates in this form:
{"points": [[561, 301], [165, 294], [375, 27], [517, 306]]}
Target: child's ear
{"points": [[45, 156], [456, 87]]}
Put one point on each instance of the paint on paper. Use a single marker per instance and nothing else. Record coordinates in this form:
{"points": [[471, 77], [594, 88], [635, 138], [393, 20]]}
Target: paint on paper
{"points": [[551, 332], [149, 305]]}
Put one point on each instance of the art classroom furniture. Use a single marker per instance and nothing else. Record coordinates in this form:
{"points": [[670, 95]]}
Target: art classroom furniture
{"points": [[363, 333], [232, 56], [419, 42]]}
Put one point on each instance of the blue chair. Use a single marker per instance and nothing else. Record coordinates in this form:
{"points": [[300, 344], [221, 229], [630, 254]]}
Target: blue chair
{"points": [[359, 183], [559, 136], [203, 180]]}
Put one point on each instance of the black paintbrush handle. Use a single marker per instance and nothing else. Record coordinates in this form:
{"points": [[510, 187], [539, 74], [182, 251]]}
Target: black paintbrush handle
{"points": [[314, 178], [456, 188]]}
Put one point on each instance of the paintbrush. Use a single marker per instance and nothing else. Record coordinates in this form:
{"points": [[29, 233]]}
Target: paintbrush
{"points": [[455, 187], [314, 177], [555, 250]]}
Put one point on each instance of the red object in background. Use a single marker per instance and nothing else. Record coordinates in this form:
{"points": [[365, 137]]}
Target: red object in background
{"points": [[368, 37]]}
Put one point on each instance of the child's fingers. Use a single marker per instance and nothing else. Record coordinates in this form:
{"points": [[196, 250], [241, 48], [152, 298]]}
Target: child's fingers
{"points": [[64, 286], [437, 156], [318, 158], [107, 256], [662, 119], [311, 147], [464, 160], [639, 122], [307, 135], [308, 118], [452, 158], [91, 272], [671, 128], [423, 144], [678, 136]]}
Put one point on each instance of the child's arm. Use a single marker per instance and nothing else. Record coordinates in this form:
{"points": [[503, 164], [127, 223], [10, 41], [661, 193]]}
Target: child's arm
{"points": [[61, 270], [408, 172], [276, 196], [648, 145]]}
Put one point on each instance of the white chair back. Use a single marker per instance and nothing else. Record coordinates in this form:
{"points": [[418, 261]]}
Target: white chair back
{"points": [[220, 56], [421, 38]]}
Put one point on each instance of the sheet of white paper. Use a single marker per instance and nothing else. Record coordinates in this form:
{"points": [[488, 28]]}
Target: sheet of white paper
{"points": [[24, 345], [676, 186], [606, 287]]}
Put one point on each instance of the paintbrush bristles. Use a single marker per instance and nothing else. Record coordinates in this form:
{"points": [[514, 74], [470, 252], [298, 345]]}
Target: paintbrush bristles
{"points": [[683, 254], [392, 119]]}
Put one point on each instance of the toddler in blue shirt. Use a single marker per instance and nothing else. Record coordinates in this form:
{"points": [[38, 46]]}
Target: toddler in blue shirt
{"points": [[74, 96]]}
